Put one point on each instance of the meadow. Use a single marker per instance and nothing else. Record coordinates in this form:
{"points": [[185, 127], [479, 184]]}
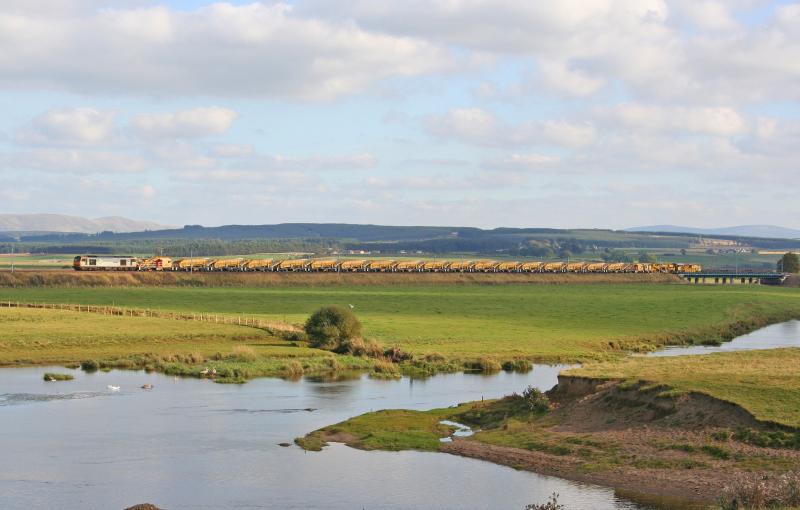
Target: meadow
{"points": [[766, 383], [40, 337], [546, 323]]}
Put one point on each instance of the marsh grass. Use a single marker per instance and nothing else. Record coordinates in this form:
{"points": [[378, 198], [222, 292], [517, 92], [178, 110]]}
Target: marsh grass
{"points": [[52, 376]]}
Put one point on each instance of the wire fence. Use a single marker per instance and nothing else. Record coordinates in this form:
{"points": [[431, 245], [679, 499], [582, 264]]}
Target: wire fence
{"points": [[238, 320]]}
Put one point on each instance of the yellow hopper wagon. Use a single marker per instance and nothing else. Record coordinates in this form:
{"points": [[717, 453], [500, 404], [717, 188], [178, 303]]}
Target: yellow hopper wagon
{"points": [[554, 267], [575, 267], [353, 266], [435, 266], [462, 266], [292, 265], [485, 266], [531, 267], [324, 265], [191, 264], [595, 267], [381, 266], [688, 268], [509, 267], [259, 265], [409, 266], [227, 265]]}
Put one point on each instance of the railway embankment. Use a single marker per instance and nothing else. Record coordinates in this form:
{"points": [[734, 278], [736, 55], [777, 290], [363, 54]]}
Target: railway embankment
{"points": [[70, 278]]}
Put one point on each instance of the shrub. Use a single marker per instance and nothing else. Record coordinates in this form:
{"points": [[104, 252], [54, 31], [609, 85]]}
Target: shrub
{"points": [[487, 365], [360, 347], [50, 376], [761, 491], [550, 504], [90, 365], [716, 452], [535, 400], [517, 365], [328, 327]]}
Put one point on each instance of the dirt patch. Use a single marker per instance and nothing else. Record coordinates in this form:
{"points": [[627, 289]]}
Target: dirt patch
{"points": [[612, 406]]}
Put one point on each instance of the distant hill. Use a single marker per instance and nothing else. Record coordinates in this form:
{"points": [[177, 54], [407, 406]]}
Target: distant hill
{"points": [[766, 231], [72, 224]]}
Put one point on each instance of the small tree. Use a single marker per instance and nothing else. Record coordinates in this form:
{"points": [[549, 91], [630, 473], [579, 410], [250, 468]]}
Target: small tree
{"points": [[789, 263], [330, 326]]}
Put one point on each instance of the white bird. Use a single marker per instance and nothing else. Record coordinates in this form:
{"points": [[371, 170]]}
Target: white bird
{"points": [[213, 371], [113, 388], [204, 371], [351, 306], [147, 386]]}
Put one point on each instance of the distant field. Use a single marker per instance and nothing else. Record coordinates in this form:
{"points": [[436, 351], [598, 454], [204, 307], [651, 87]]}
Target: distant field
{"points": [[766, 383], [540, 322]]}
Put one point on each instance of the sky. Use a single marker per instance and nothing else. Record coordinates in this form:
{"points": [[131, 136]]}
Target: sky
{"points": [[576, 113]]}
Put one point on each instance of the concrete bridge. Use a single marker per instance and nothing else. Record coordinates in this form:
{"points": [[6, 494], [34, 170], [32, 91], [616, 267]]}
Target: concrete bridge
{"points": [[734, 278]]}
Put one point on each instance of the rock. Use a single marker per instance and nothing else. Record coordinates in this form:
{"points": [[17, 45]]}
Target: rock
{"points": [[285, 445], [143, 506]]}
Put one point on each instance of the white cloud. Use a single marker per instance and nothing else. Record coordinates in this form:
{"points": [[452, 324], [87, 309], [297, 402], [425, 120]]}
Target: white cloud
{"points": [[558, 76], [522, 162], [716, 121], [70, 126], [78, 161], [197, 122], [257, 49]]}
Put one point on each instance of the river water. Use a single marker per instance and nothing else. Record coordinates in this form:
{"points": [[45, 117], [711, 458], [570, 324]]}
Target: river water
{"points": [[194, 444]]}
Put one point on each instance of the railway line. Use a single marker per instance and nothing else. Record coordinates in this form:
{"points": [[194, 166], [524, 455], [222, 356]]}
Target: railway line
{"points": [[333, 265]]}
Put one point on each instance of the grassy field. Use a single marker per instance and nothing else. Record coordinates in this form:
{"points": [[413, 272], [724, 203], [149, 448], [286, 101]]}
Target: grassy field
{"points": [[540, 322], [766, 383], [31, 336]]}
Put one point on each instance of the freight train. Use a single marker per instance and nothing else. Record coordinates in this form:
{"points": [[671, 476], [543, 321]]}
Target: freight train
{"points": [[317, 265]]}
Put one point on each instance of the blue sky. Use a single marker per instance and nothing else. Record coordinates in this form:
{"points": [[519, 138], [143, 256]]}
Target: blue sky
{"points": [[590, 113]]}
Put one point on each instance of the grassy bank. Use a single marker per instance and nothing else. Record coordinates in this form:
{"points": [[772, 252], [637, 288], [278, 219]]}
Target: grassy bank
{"points": [[38, 337], [637, 437], [467, 321], [765, 383]]}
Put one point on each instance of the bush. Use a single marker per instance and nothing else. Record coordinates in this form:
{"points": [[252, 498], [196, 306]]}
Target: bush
{"points": [[535, 400], [761, 491], [90, 365], [486, 365], [517, 365], [329, 327], [550, 504]]}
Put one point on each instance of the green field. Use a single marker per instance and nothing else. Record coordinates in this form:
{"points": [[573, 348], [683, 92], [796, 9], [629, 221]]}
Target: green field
{"points": [[766, 383], [37, 337], [541, 322]]}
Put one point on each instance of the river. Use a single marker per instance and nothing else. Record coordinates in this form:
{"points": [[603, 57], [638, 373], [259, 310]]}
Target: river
{"points": [[194, 444]]}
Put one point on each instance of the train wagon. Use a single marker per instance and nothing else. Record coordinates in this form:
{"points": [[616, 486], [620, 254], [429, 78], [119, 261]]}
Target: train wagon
{"points": [[324, 265], [461, 266], [227, 265], [688, 268], [509, 267], [575, 267], [191, 264], [531, 267], [105, 263], [616, 267], [381, 266], [554, 267], [485, 266], [435, 266], [408, 266], [353, 266], [595, 267], [293, 265], [259, 265], [155, 264]]}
